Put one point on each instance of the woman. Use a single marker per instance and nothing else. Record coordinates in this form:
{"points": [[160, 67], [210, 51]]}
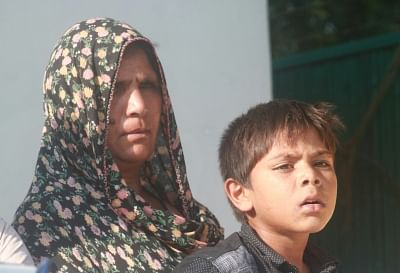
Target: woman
{"points": [[110, 191]]}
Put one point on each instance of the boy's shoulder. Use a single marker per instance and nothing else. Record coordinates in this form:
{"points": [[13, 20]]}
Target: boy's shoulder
{"points": [[229, 255], [244, 252]]}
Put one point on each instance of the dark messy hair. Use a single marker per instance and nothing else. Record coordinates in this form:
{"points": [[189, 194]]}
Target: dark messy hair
{"points": [[250, 136]]}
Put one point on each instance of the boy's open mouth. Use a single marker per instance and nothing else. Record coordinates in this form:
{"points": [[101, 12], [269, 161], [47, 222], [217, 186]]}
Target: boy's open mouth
{"points": [[312, 201]]}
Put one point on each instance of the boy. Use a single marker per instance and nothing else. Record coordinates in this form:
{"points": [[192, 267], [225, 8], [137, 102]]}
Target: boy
{"points": [[277, 161]]}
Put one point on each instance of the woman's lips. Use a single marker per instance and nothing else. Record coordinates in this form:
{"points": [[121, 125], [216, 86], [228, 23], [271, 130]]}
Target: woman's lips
{"points": [[137, 134]]}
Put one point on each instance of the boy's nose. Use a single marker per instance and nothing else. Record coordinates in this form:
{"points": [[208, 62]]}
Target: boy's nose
{"points": [[309, 176], [314, 181]]}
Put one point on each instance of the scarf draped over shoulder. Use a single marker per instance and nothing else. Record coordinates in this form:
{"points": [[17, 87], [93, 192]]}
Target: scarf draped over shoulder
{"points": [[78, 209]]}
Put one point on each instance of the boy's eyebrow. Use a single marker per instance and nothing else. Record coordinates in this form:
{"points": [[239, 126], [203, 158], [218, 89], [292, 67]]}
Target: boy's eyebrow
{"points": [[322, 152], [290, 155]]}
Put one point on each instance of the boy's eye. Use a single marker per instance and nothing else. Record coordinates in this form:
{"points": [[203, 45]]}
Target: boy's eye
{"points": [[283, 167], [322, 164]]}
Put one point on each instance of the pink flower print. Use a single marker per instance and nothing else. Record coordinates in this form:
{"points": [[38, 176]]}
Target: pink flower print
{"points": [[58, 53], [125, 35], [29, 214], [93, 259], [76, 38], [88, 74], [123, 182], [60, 112], [110, 258], [147, 255], [65, 214], [179, 220], [122, 194], [71, 181], [76, 253], [155, 264], [114, 167], [75, 131], [122, 224], [91, 21], [35, 189], [101, 31], [21, 229], [95, 230], [162, 253], [54, 124], [86, 141], [122, 211], [57, 205], [86, 51], [106, 78], [45, 239], [78, 232], [104, 221], [121, 252], [148, 210], [139, 198], [68, 213], [79, 102], [66, 61]]}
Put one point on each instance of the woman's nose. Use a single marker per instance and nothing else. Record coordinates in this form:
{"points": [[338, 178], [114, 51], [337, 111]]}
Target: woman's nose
{"points": [[136, 104]]}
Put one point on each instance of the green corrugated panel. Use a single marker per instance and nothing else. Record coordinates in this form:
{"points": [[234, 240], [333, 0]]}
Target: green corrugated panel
{"points": [[365, 231]]}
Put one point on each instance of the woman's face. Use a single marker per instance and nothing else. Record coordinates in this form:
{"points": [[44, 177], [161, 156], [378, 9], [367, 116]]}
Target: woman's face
{"points": [[135, 110]]}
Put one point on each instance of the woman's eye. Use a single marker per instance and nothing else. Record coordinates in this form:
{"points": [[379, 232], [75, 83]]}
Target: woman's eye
{"points": [[149, 86], [119, 88]]}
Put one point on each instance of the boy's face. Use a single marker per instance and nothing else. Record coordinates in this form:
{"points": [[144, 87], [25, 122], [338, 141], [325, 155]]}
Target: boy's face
{"points": [[293, 187]]}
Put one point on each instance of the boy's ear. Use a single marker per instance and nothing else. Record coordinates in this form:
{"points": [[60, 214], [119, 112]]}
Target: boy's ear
{"points": [[238, 194]]}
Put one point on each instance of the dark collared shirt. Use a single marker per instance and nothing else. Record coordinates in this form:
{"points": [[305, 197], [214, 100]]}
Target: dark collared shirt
{"points": [[244, 252]]}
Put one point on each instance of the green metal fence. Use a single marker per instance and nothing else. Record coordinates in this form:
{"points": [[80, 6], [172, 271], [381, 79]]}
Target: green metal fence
{"points": [[362, 79]]}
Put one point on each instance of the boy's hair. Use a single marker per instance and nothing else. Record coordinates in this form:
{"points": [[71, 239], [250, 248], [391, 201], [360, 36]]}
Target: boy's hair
{"points": [[250, 136]]}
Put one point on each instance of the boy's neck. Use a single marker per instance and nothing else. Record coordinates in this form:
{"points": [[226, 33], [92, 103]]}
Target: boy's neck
{"points": [[291, 248]]}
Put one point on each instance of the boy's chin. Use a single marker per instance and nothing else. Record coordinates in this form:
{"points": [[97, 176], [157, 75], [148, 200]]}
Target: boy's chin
{"points": [[315, 226]]}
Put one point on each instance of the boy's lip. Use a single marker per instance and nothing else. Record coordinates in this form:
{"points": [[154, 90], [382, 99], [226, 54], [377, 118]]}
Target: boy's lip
{"points": [[312, 204]]}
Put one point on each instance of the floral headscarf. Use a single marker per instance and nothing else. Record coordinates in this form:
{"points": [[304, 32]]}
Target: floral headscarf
{"points": [[78, 209]]}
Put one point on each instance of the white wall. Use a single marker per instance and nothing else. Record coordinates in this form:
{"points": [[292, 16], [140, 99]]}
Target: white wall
{"points": [[215, 54]]}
